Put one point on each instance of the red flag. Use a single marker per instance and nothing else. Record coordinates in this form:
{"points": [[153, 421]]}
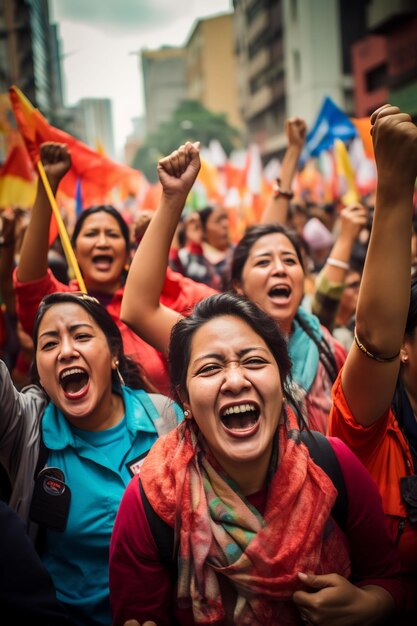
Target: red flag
{"points": [[17, 179], [98, 174]]}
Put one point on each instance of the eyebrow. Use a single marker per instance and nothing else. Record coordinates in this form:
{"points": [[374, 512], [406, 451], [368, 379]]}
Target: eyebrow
{"points": [[221, 357], [72, 328], [269, 252], [110, 229]]}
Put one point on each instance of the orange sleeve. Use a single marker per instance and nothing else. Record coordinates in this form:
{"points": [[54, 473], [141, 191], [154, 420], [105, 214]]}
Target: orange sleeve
{"points": [[362, 440]]}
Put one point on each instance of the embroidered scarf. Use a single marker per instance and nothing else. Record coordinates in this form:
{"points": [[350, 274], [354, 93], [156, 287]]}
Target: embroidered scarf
{"points": [[220, 533]]}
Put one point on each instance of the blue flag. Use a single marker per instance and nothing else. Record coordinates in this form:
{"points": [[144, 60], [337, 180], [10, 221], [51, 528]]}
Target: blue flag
{"points": [[331, 123], [78, 198]]}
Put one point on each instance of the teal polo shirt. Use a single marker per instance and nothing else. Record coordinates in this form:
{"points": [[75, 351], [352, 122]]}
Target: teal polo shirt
{"points": [[95, 466]]}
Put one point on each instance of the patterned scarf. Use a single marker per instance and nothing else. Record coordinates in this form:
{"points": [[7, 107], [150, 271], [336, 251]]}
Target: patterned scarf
{"points": [[225, 543]]}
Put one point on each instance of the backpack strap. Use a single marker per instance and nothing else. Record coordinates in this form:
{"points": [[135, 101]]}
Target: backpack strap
{"points": [[43, 453], [161, 410], [5, 485], [41, 536], [163, 535], [323, 455]]}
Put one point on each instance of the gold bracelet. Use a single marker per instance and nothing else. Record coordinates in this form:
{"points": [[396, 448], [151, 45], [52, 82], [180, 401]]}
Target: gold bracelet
{"points": [[380, 359]]}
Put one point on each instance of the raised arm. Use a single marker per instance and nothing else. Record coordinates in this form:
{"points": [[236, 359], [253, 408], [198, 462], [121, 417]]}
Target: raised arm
{"points": [[330, 282], [277, 208], [7, 252], [141, 309], [371, 369], [33, 262]]}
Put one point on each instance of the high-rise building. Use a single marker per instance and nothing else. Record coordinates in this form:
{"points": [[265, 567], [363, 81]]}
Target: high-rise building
{"points": [[318, 35], [385, 60], [94, 124], [259, 48], [135, 139], [211, 67], [164, 81], [29, 52], [293, 53]]}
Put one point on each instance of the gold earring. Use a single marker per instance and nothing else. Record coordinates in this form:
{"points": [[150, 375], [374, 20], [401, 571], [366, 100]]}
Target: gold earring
{"points": [[120, 377]]}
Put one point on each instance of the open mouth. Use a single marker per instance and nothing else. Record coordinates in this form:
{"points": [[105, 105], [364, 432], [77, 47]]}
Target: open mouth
{"points": [[280, 292], [74, 382], [240, 417], [102, 261]]}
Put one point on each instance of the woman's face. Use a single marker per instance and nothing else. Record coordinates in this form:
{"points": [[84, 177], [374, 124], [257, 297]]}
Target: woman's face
{"points": [[101, 252], [234, 394], [193, 229], [349, 299], [273, 278], [75, 365], [217, 229]]}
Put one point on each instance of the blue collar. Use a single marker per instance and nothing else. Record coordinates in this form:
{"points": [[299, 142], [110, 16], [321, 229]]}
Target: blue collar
{"points": [[57, 432]]}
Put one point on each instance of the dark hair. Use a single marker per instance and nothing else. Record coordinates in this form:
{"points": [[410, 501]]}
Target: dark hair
{"points": [[329, 208], [242, 250], [204, 215], [411, 323], [410, 326], [99, 208], [210, 308], [129, 370]]}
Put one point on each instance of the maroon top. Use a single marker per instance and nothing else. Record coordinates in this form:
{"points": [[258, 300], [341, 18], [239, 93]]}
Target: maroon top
{"points": [[141, 588]]}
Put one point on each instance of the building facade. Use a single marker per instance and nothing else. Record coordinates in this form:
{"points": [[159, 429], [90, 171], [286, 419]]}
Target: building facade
{"points": [[164, 82], [385, 61], [29, 53], [293, 53], [94, 124], [259, 46], [211, 67]]}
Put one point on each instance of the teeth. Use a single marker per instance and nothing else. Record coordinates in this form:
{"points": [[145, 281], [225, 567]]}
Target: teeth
{"points": [[74, 370], [239, 408]]}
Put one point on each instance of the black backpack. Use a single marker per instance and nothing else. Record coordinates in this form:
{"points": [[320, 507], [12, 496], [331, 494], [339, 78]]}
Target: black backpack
{"points": [[5, 485]]}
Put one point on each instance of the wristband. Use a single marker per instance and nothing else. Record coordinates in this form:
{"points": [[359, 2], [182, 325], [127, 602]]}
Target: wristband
{"points": [[278, 192], [336, 263]]}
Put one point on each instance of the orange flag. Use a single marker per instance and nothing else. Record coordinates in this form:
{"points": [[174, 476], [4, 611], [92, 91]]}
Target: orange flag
{"points": [[17, 179], [98, 174], [363, 126]]}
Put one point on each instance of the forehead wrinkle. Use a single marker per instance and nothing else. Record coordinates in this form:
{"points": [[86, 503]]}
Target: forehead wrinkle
{"points": [[222, 357]]}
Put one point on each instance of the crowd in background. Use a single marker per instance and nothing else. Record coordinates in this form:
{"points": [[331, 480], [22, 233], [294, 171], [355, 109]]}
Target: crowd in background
{"points": [[323, 292]]}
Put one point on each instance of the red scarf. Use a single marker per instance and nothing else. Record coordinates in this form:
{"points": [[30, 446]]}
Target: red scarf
{"points": [[219, 531]]}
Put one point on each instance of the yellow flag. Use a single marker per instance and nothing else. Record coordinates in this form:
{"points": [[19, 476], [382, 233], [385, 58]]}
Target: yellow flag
{"points": [[345, 171]]}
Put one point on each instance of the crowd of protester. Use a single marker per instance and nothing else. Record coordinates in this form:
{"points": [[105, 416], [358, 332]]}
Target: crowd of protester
{"points": [[217, 432]]}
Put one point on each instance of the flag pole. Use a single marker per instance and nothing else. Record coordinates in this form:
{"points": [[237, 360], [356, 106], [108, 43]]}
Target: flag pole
{"points": [[66, 244]]}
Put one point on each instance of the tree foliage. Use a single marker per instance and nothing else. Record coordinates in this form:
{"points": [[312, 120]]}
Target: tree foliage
{"points": [[190, 122]]}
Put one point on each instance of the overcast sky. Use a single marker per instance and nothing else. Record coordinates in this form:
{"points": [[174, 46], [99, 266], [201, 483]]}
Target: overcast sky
{"points": [[100, 39]]}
